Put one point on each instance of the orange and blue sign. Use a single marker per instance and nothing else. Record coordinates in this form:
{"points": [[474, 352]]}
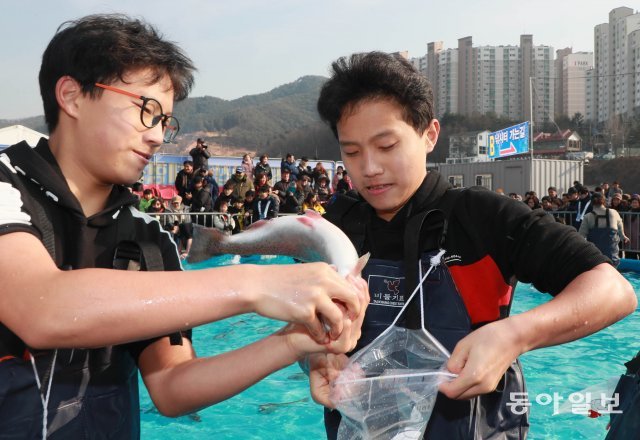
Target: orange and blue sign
{"points": [[509, 141]]}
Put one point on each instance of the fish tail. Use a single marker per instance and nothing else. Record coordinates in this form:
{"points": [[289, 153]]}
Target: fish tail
{"points": [[207, 242]]}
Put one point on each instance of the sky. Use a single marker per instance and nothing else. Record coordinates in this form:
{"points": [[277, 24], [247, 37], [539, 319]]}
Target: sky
{"points": [[245, 47]]}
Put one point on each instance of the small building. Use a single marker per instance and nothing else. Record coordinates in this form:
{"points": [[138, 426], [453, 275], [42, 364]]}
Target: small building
{"points": [[556, 145], [516, 175], [468, 147]]}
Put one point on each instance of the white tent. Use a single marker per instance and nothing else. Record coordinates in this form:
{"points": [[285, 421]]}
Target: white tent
{"points": [[16, 133]]}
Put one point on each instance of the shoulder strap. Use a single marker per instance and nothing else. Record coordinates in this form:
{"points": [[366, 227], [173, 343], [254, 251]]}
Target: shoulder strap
{"points": [[425, 231], [46, 226], [351, 215], [143, 255]]}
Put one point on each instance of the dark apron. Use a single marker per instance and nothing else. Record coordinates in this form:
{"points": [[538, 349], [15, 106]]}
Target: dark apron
{"points": [[94, 393], [446, 318], [605, 239]]}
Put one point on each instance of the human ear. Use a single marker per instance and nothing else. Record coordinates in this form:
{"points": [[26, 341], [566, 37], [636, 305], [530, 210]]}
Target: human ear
{"points": [[430, 135], [68, 93]]}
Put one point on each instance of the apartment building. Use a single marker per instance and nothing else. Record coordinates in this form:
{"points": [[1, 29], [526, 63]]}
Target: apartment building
{"points": [[468, 79], [616, 83]]}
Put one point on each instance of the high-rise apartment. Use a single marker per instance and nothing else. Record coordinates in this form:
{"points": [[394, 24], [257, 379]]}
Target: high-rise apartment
{"points": [[616, 84], [574, 82]]}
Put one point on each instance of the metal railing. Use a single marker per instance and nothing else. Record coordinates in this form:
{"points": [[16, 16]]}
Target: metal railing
{"points": [[630, 220]]}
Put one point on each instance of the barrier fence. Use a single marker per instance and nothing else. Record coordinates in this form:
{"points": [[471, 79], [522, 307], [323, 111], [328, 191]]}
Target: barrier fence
{"points": [[631, 221]]}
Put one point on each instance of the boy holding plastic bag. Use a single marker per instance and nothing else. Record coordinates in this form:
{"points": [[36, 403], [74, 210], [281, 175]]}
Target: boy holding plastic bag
{"points": [[381, 111]]}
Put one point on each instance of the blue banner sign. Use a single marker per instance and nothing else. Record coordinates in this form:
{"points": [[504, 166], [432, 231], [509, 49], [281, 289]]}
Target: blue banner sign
{"points": [[509, 141]]}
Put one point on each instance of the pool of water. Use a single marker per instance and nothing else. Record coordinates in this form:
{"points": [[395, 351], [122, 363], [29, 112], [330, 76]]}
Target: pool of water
{"points": [[280, 407]]}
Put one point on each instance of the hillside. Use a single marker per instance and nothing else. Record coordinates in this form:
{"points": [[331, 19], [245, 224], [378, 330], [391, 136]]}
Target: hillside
{"points": [[622, 169], [281, 120]]}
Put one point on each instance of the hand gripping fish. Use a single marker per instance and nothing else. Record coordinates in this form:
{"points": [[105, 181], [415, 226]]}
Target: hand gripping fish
{"points": [[307, 237]]}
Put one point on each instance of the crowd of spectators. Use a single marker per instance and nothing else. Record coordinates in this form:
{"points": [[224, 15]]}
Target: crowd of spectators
{"points": [[249, 195], [573, 206]]}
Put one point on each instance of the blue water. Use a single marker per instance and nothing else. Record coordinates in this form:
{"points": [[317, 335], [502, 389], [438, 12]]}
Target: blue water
{"points": [[280, 407]]}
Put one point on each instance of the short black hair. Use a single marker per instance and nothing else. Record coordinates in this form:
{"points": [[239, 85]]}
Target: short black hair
{"points": [[104, 48], [376, 75]]}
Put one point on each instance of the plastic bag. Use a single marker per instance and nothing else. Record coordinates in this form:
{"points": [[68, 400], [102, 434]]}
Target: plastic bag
{"points": [[388, 388]]}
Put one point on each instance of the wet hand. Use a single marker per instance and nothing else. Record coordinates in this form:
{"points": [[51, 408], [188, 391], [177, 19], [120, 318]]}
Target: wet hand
{"points": [[323, 369], [481, 359], [306, 293], [301, 343]]}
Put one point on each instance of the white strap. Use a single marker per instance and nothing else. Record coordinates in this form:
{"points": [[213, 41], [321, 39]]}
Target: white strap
{"points": [[44, 399]]}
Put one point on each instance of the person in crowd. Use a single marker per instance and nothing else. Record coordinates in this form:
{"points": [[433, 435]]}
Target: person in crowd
{"points": [[318, 170], [583, 207], [212, 183], [236, 209], [201, 202], [533, 202], [249, 199], [224, 220], [226, 194], [178, 211], [182, 228], [157, 207], [261, 180], [289, 162], [137, 189], [380, 109], [78, 321], [280, 188], [241, 182], [247, 166], [209, 182], [552, 193], [303, 188], [200, 155], [304, 169], [323, 190], [604, 228], [184, 177], [292, 203], [615, 188], [632, 228], [263, 167], [145, 201], [605, 190], [345, 182], [264, 207], [336, 178], [625, 202], [311, 202], [616, 202], [573, 206]]}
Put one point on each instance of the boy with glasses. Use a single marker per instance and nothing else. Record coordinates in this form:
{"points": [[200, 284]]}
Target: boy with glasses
{"points": [[73, 331]]}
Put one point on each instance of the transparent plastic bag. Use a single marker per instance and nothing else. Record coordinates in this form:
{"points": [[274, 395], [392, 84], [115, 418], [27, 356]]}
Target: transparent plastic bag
{"points": [[388, 388]]}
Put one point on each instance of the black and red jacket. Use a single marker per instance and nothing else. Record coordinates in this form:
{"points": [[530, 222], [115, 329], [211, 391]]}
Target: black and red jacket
{"points": [[491, 242]]}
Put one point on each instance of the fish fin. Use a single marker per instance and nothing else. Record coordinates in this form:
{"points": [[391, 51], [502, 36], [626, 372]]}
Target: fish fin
{"points": [[313, 214], [362, 262], [207, 242], [258, 224]]}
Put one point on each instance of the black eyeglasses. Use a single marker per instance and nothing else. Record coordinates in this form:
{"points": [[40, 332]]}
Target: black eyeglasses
{"points": [[151, 113]]}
